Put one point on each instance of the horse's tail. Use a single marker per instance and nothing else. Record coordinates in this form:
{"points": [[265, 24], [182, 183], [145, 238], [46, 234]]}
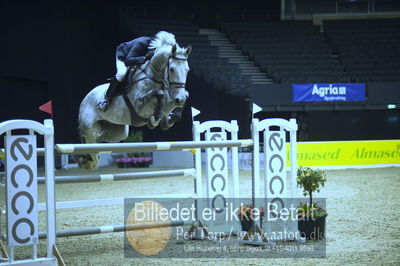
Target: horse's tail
{"points": [[162, 38]]}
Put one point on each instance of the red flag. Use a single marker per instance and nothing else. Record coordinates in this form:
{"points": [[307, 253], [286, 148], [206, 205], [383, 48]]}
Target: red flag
{"points": [[47, 107]]}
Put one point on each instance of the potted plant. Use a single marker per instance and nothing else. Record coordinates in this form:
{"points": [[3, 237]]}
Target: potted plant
{"points": [[1, 163], [311, 217], [247, 214]]}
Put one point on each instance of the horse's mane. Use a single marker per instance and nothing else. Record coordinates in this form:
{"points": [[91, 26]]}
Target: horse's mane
{"points": [[163, 42], [161, 39]]}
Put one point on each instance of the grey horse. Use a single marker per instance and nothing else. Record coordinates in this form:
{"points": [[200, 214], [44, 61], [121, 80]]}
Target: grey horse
{"points": [[156, 97]]}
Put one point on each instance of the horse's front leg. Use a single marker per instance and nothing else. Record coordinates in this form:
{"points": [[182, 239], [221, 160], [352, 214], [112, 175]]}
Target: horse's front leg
{"points": [[156, 118], [145, 98], [170, 119]]}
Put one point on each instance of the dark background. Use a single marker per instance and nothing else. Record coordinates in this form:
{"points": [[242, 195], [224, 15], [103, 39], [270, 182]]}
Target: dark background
{"points": [[60, 50]]}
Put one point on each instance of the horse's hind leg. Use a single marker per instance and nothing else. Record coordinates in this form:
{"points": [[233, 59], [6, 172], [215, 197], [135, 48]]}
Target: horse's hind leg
{"points": [[112, 132], [90, 161], [102, 131]]}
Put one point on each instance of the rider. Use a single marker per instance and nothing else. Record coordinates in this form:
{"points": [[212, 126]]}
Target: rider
{"points": [[129, 54]]}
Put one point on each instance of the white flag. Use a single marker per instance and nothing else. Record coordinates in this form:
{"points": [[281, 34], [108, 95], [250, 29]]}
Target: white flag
{"points": [[195, 112], [256, 109]]}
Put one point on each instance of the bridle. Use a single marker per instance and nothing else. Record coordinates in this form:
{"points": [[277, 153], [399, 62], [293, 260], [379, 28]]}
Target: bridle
{"points": [[166, 84], [177, 85]]}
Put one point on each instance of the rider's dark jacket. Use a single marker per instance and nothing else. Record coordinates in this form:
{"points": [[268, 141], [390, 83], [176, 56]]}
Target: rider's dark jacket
{"points": [[134, 52]]}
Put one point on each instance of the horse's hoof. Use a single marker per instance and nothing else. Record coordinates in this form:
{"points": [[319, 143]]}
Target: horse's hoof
{"points": [[151, 126], [87, 164], [165, 126], [154, 120], [152, 123], [166, 123]]}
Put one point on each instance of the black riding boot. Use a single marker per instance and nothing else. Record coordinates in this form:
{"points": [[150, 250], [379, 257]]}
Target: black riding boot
{"points": [[111, 91]]}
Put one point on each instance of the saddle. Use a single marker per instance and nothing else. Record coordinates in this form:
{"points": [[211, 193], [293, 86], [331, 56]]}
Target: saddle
{"points": [[125, 84], [123, 89]]}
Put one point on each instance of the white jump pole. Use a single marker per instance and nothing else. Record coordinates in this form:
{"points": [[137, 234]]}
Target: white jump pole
{"points": [[121, 176], [111, 229], [147, 146]]}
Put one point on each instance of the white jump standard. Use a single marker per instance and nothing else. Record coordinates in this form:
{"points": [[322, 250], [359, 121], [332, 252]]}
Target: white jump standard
{"points": [[26, 146], [220, 184]]}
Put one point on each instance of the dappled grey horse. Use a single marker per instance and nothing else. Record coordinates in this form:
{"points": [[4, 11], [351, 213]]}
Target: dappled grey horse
{"points": [[156, 96]]}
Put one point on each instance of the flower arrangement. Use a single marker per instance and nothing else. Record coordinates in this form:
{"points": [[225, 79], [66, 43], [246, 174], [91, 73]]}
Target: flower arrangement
{"points": [[133, 161], [311, 181]]}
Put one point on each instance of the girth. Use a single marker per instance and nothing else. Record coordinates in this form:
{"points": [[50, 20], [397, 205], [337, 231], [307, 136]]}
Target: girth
{"points": [[134, 115], [126, 85], [128, 82]]}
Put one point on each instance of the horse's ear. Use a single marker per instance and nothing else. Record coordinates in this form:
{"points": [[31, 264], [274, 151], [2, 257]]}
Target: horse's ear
{"points": [[188, 50], [173, 50]]}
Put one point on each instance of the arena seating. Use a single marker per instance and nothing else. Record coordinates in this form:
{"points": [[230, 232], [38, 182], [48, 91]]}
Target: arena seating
{"points": [[368, 49], [204, 59], [292, 52]]}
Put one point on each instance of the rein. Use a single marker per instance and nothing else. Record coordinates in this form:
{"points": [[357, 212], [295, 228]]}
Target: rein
{"points": [[166, 85]]}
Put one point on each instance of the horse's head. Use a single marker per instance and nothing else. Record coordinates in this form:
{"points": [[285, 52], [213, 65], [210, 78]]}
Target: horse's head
{"points": [[176, 72], [171, 65]]}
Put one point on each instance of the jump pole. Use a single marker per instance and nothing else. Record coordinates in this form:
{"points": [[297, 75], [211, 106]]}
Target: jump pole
{"points": [[84, 148], [112, 229], [120, 177], [148, 146], [74, 204]]}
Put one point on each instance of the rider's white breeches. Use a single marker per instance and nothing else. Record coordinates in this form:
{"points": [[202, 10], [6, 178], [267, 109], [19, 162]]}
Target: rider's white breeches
{"points": [[121, 69]]}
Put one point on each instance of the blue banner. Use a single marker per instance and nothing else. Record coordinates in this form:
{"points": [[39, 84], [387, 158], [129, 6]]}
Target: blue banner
{"points": [[325, 92]]}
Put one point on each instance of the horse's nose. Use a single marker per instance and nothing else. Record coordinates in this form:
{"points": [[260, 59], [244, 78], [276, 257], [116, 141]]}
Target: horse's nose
{"points": [[178, 101]]}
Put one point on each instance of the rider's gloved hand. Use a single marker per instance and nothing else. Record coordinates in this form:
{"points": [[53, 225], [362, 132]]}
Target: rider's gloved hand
{"points": [[149, 54], [142, 60]]}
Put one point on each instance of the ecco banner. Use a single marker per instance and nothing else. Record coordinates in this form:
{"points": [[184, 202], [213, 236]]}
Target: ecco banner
{"points": [[22, 213], [338, 92]]}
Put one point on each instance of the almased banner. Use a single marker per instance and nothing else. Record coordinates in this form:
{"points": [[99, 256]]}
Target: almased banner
{"points": [[339, 153], [325, 92], [348, 153]]}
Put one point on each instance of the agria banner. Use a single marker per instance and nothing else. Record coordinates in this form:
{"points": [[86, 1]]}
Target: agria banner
{"points": [[323, 92]]}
